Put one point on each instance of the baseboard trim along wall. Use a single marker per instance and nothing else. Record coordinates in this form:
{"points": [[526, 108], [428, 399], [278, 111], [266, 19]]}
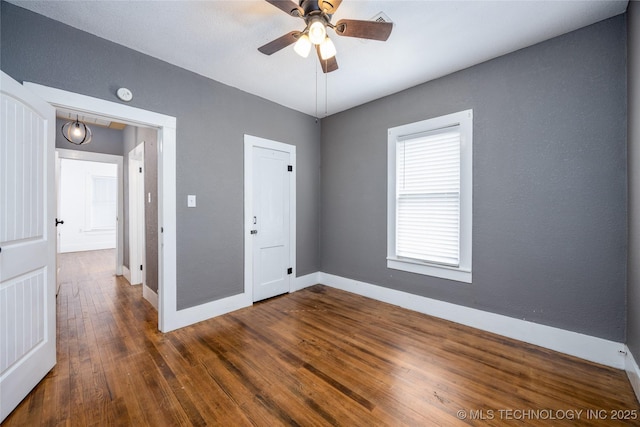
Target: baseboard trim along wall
{"points": [[594, 349], [633, 372], [191, 315], [306, 281], [150, 295]]}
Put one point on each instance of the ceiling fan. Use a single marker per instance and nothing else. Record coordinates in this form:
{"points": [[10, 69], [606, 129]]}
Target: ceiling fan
{"points": [[317, 17]]}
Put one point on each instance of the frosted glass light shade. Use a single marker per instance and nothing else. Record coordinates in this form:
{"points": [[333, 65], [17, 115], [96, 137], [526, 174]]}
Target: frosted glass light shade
{"points": [[303, 46], [317, 32], [327, 49], [76, 132]]}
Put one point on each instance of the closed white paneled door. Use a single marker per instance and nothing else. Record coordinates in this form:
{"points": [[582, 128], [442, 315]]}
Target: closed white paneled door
{"points": [[271, 223], [27, 242]]}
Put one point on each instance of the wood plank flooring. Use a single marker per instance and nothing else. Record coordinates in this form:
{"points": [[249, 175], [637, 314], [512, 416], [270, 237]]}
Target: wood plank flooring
{"points": [[315, 357]]}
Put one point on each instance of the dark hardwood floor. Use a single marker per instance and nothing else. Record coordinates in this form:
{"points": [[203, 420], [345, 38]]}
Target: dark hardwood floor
{"points": [[319, 356]]}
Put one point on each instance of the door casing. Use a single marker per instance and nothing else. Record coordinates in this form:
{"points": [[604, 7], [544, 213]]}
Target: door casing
{"points": [[169, 317]]}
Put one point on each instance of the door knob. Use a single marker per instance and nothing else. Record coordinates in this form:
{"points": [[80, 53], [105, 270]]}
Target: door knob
{"points": [[59, 222]]}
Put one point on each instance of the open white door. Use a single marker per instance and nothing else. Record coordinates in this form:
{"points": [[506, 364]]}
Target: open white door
{"points": [[136, 215], [27, 242], [58, 221]]}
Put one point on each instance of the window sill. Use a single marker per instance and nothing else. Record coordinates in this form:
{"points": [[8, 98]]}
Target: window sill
{"points": [[441, 271]]}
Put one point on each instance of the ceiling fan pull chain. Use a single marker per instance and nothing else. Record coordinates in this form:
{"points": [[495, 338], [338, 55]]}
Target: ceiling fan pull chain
{"points": [[326, 94]]}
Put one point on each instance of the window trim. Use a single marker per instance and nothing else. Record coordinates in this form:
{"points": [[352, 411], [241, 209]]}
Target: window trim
{"points": [[462, 273]]}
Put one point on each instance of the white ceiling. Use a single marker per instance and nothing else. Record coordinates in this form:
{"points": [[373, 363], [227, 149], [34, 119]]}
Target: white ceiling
{"points": [[219, 40]]}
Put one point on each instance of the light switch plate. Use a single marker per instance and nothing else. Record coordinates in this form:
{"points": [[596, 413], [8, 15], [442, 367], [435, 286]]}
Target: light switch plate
{"points": [[191, 201]]}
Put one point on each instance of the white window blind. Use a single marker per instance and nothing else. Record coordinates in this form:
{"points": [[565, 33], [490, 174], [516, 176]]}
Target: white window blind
{"points": [[428, 197], [103, 202]]}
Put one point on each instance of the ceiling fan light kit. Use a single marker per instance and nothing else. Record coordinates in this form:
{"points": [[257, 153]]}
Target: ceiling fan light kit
{"points": [[317, 16]]}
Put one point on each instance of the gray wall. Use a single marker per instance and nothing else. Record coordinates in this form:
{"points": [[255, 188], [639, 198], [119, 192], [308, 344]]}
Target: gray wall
{"points": [[633, 265], [104, 140], [211, 121], [549, 183]]}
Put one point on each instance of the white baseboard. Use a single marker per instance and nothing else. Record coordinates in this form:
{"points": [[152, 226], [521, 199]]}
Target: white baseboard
{"points": [[150, 295], [633, 372], [594, 349], [306, 281], [126, 273], [86, 246], [213, 309], [199, 313]]}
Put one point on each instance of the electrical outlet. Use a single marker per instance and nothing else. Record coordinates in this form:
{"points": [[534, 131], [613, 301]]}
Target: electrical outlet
{"points": [[191, 201]]}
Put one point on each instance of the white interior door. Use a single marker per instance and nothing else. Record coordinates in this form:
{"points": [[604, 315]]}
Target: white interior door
{"points": [[271, 223], [136, 215], [27, 242], [59, 221]]}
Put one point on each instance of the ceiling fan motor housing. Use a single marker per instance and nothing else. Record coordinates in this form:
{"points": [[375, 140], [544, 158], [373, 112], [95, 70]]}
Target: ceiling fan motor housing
{"points": [[309, 6]]}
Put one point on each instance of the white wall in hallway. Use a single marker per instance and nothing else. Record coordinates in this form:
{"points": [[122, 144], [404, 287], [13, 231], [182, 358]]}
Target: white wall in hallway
{"points": [[88, 198]]}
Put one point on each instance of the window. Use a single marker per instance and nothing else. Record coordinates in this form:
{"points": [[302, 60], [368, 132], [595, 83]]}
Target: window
{"points": [[104, 193], [430, 197]]}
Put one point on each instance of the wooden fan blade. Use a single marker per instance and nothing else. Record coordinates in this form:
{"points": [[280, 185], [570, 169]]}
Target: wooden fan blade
{"points": [[328, 65], [372, 30], [329, 6], [288, 7], [280, 43]]}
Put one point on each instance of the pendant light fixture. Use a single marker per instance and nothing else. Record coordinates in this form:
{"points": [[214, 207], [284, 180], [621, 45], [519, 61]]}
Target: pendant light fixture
{"points": [[76, 132]]}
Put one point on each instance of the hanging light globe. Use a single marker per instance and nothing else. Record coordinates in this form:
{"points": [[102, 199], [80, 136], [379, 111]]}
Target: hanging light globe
{"points": [[76, 132]]}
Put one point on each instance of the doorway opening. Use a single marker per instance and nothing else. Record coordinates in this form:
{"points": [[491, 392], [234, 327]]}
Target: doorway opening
{"points": [[86, 219], [89, 208], [165, 129]]}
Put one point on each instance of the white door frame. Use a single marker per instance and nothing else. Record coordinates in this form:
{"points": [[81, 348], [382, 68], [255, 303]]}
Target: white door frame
{"points": [[136, 215], [249, 143], [169, 318], [63, 153]]}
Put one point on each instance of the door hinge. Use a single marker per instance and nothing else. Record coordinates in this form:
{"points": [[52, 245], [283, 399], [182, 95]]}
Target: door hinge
{"points": [[162, 229], [290, 168], [289, 270], [140, 267]]}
